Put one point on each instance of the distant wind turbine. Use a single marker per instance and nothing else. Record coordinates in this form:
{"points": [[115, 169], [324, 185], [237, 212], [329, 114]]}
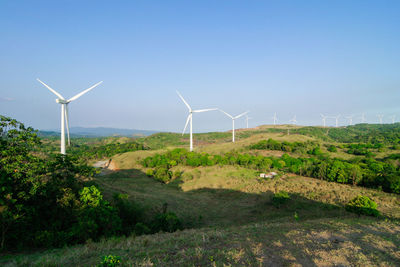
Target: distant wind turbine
{"points": [[293, 121], [275, 118], [350, 119], [64, 110], [324, 119], [247, 121], [190, 118], [233, 122], [337, 120], [363, 120], [393, 118], [380, 116]]}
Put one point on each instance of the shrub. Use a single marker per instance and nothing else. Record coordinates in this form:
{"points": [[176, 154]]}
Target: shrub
{"points": [[110, 261], [129, 212], [332, 148], [141, 229], [166, 222], [280, 198], [150, 173], [363, 205], [163, 175]]}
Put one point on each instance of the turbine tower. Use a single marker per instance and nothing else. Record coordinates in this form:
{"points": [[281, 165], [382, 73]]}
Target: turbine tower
{"points": [[247, 121], [380, 116], [393, 118], [233, 122], [275, 118], [363, 120], [293, 121], [324, 119], [337, 120], [64, 111], [190, 118], [350, 119]]}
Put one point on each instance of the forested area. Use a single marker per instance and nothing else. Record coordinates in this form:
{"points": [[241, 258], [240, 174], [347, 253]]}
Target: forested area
{"points": [[45, 202]]}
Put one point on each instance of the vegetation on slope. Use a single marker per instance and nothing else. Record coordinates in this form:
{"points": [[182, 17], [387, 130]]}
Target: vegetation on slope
{"points": [[367, 172]]}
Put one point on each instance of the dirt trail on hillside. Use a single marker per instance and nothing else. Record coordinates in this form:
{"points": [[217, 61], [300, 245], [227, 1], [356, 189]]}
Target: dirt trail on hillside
{"points": [[106, 166]]}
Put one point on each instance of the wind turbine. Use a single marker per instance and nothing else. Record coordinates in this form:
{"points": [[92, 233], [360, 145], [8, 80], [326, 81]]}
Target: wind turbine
{"points": [[337, 120], [247, 121], [190, 118], [380, 116], [393, 118], [363, 120], [324, 120], [275, 118], [293, 121], [233, 122], [64, 110], [350, 119]]}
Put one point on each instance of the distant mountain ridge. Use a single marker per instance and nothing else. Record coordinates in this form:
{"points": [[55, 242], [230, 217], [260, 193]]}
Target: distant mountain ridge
{"points": [[98, 132]]}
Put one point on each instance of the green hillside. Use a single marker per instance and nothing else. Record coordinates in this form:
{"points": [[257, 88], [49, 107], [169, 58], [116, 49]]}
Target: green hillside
{"points": [[227, 214]]}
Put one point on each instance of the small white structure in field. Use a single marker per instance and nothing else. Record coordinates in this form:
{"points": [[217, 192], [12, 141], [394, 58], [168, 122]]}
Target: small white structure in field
{"points": [[268, 175]]}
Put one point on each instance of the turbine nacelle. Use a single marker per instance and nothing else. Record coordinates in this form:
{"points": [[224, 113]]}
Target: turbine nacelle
{"points": [[62, 101]]}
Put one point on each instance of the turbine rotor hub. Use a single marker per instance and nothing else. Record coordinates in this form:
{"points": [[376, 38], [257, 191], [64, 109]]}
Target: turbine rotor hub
{"points": [[61, 101]]}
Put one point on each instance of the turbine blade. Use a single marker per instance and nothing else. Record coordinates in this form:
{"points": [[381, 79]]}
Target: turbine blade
{"points": [[229, 115], [52, 90], [67, 122], [83, 92], [187, 121], [204, 110], [184, 101], [238, 116]]}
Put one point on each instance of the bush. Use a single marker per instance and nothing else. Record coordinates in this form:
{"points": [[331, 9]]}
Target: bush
{"points": [[332, 148], [129, 212], [363, 205], [150, 173], [166, 222], [280, 198], [110, 261], [141, 229], [163, 175]]}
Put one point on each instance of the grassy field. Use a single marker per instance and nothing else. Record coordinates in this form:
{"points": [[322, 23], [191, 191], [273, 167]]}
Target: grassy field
{"points": [[318, 242], [229, 215]]}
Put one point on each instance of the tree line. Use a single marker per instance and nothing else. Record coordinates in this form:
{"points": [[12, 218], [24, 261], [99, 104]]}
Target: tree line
{"points": [[363, 172]]}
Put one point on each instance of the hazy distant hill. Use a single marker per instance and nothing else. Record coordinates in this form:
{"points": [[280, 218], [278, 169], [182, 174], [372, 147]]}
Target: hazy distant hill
{"points": [[99, 131]]}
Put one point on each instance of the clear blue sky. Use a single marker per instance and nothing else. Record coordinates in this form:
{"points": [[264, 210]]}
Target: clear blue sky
{"points": [[289, 57]]}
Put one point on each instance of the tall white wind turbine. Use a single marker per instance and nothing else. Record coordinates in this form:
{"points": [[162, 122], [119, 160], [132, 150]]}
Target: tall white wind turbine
{"points": [[275, 118], [190, 118], [324, 119], [393, 118], [363, 120], [247, 121], [293, 121], [380, 116], [350, 119], [337, 120], [233, 121], [64, 111]]}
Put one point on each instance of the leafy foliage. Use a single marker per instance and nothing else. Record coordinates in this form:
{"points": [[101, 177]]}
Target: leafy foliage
{"points": [[110, 261], [44, 203], [366, 172], [363, 205]]}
